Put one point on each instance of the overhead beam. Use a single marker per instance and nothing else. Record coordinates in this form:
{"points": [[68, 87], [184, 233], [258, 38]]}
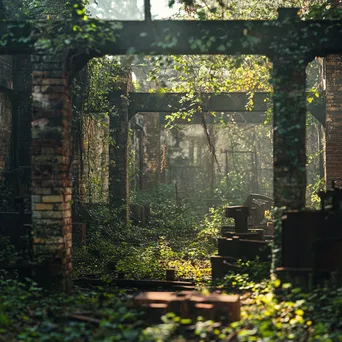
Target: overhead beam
{"points": [[185, 37], [225, 102], [233, 37]]}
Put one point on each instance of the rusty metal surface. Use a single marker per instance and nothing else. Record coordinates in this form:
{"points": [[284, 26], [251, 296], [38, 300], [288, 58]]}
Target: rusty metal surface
{"points": [[240, 214], [257, 204], [191, 304], [243, 249], [312, 242], [250, 235], [221, 266], [300, 230]]}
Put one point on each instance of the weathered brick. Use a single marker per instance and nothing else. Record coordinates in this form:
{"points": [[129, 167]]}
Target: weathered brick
{"points": [[51, 176], [42, 207], [53, 199]]}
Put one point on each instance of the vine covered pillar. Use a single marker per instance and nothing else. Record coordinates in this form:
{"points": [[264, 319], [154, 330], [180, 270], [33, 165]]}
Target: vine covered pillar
{"points": [[289, 117], [118, 147], [51, 170]]}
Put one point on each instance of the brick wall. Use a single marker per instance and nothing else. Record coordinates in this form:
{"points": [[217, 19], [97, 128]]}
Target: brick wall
{"points": [[51, 170], [5, 130], [333, 143]]}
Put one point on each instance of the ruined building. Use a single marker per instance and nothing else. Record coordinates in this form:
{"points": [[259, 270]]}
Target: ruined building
{"points": [[36, 73]]}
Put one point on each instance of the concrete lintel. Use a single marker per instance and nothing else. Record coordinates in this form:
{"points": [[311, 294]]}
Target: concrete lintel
{"points": [[234, 102]]}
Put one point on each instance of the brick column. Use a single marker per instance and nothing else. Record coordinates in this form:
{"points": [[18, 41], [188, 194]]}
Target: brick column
{"points": [[51, 171], [289, 152], [333, 137], [152, 149], [118, 148]]}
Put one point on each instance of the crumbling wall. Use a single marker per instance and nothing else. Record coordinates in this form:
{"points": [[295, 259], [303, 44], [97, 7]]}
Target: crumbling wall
{"points": [[333, 143]]}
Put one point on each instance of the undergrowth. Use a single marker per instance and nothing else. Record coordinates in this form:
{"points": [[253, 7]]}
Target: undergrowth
{"points": [[270, 311], [173, 238]]}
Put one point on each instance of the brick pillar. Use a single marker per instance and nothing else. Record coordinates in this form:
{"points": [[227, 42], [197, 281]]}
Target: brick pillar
{"points": [[51, 171], [118, 148], [289, 117], [333, 136], [152, 151]]}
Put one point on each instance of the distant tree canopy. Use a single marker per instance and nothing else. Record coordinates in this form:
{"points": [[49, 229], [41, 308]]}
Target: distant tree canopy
{"points": [[116, 9], [222, 73], [38, 9]]}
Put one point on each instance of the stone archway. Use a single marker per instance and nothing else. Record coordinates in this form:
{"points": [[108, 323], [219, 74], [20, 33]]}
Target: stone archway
{"points": [[289, 42]]}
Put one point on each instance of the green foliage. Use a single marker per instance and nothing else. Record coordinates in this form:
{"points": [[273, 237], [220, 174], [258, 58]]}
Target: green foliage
{"points": [[154, 260], [6, 197], [117, 10], [312, 190], [169, 219], [27, 313], [8, 253], [291, 315], [173, 238], [103, 73], [107, 241], [91, 114], [270, 312], [276, 247]]}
